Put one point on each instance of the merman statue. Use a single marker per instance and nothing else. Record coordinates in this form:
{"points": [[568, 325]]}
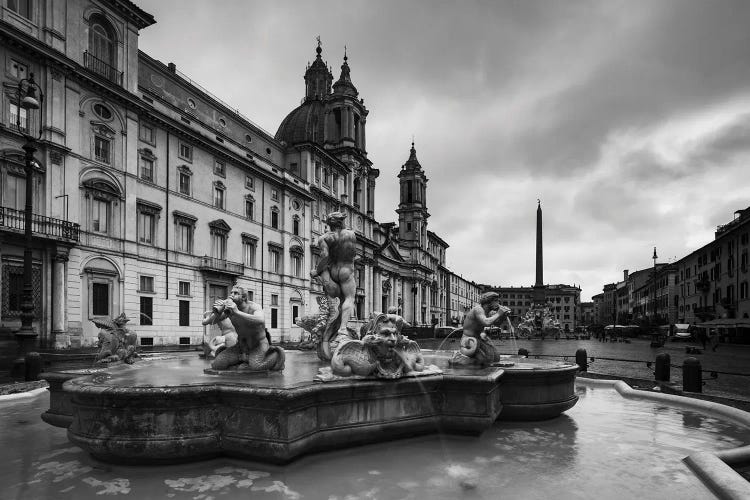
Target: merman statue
{"points": [[252, 351], [476, 348]]}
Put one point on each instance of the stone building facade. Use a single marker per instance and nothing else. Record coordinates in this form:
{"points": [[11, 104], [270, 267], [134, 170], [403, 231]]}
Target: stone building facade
{"points": [[153, 197], [710, 283]]}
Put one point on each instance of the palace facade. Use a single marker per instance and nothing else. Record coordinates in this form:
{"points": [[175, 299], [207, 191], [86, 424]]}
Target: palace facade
{"points": [[153, 197]]}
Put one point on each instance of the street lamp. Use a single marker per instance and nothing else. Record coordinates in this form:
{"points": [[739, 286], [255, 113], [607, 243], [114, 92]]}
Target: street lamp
{"points": [[414, 295], [654, 283], [28, 102]]}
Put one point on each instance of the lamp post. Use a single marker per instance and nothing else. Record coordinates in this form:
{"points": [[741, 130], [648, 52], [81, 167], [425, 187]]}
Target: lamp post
{"points": [[414, 295], [654, 283], [27, 102]]}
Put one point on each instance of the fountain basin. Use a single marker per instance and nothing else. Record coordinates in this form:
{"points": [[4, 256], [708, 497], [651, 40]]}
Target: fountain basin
{"points": [[168, 410]]}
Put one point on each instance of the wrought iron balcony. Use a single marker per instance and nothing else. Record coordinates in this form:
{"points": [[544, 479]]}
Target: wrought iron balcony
{"points": [[702, 284], [41, 226], [101, 67], [221, 266]]}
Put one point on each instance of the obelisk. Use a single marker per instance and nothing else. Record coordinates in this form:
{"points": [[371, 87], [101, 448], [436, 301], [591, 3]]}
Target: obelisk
{"points": [[539, 288]]}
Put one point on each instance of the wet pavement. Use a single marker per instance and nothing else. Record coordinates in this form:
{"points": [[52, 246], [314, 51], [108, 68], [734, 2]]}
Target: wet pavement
{"points": [[728, 358], [605, 446]]}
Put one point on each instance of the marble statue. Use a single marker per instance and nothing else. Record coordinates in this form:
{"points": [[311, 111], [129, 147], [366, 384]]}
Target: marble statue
{"points": [[227, 337], [116, 343], [383, 352], [316, 323], [253, 350], [335, 270], [476, 348]]}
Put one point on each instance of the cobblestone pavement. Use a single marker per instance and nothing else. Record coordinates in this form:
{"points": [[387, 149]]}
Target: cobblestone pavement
{"points": [[628, 360]]}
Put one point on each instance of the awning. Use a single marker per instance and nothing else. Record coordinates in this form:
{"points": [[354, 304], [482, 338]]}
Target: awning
{"points": [[725, 323]]}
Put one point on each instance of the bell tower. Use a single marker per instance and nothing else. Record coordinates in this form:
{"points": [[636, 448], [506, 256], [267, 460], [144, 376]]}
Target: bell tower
{"points": [[346, 114], [412, 207]]}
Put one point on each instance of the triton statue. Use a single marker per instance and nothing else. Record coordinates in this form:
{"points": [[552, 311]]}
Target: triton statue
{"points": [[253, 350], [476, 348]]}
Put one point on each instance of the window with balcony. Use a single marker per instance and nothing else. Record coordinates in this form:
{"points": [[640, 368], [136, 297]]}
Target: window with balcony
{"points": [[218, 245], [101, 56], [17, 118]]}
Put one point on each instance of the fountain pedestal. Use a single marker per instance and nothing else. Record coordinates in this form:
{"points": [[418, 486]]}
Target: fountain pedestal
{"points": [[167, 410]]}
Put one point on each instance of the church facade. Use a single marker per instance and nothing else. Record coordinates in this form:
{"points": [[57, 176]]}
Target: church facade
{"points": [[153, 197]]}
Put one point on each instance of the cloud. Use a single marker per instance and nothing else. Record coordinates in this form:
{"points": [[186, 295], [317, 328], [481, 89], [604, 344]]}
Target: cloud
{"points": [[629, 119]]}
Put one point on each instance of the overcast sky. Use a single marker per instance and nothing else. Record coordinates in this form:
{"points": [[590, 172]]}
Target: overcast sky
{"points": [[630, 120]]}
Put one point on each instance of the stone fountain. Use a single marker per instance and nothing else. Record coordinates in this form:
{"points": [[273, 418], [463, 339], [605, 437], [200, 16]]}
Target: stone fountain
{"points": [[273, 405]]}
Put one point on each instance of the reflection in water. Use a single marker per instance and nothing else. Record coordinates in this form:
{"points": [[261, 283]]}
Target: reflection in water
{"points": [[604, 447], [694, 420]]}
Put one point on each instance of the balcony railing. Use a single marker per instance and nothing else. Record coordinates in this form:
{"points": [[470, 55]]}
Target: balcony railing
{"points": [[48, 227], [221, 266], [101, 67], [702, 284]]}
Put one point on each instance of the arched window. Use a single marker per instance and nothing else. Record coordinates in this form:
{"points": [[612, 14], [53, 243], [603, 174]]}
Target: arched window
{"points": [[101, 56], [295, 225], [102, 39]]}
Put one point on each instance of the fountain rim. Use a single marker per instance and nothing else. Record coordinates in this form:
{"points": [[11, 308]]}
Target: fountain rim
{"points": [[713, 468]]}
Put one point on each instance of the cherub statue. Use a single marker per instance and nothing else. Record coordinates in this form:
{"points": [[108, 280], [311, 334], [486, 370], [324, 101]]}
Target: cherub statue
{"points": [[116, 343], [383, 352]]}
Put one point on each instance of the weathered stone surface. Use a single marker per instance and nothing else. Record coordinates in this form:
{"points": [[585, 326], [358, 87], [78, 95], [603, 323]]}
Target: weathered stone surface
{"points": [[171, 411]]}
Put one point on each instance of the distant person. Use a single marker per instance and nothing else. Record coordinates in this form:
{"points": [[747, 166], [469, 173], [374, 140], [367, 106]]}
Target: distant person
{"points": [[699, 333], [714, 339]]}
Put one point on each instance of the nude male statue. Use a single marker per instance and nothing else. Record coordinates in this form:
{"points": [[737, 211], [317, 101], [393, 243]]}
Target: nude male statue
{"points": [[248, 321], [336, 271], [474, 342]]}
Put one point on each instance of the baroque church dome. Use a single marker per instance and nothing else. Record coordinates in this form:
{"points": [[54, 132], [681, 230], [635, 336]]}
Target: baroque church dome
{"points": [[303, 124], [306, 122]]}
